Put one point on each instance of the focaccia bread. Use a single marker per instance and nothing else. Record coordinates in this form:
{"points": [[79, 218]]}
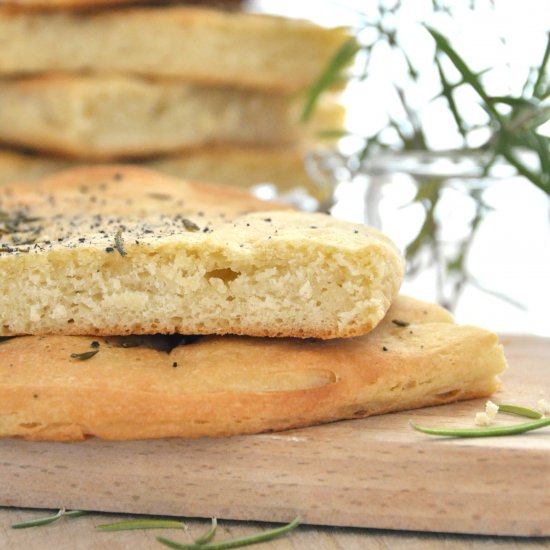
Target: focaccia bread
{"points": [[123, 190], [152, 387], [113, 117], [195, 44], [124, 251], [240, 166], [94, 4]]}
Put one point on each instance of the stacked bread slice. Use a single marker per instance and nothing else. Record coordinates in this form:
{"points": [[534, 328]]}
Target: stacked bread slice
{"points": [[135, 305], [178, 87]]}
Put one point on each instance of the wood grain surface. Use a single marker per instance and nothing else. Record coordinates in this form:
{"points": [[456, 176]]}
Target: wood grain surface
{"points": [[374, 472]]}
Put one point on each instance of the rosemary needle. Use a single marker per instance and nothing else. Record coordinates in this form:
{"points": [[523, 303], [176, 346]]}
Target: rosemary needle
{"points": [[49, 519], [484, 432], [119, 243], [209, 535], [520, 411], [84, 356], [141, 524], [235, 543]]}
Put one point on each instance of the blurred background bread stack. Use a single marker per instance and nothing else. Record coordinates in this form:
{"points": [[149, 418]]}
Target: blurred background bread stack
{"points": [[200, 91]]}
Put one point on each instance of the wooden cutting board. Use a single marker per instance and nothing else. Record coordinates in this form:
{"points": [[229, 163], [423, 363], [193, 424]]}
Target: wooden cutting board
{"points": [[375, 472]]}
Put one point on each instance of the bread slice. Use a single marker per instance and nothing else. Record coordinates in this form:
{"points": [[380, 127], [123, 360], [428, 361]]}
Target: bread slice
{"points": [[87, 4], [110, 117], [127, 251], [200, 45], [239, 166], [145, 387]]}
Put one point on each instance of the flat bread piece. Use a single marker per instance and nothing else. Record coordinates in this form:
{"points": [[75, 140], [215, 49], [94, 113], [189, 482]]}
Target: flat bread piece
{"points": [[239, 166], [227, 385], [196, 44], [122, 190], [113, 117], [125, 251], [94, 4]]}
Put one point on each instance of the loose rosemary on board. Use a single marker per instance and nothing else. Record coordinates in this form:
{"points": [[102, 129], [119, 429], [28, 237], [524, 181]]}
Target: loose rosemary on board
{"points": [[48, 519], [238, 542], [492, 431], [204, 542]]}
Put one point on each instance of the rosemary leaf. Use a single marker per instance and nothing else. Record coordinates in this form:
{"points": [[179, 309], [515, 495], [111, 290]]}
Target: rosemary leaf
{"points": [[209, 535], [541, 180], [491, 431], [189, 225], [519, 102], [235, 543], [84, 356], [331, 75], [119, 243], [141, 524], [447, 92], [332, 134], [520, 411], [540, 88], [49, 519]]}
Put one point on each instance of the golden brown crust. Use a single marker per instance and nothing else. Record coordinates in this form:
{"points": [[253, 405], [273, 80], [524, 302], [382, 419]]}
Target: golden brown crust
{"points": [[220, 386], [200, 45], [47, 5], [69, 191], [230, 165], [88, 5]]}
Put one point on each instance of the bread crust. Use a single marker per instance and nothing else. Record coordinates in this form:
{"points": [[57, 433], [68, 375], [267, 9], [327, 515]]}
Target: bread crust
{"points": [[221, 386], [239, 166], [195, 44], [53, 5]]}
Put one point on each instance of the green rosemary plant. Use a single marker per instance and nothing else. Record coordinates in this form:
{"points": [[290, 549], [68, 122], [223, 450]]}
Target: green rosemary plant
{"points": [[512, 124]]}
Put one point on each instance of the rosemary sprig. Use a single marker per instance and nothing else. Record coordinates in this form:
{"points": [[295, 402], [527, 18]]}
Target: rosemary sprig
{"points": [[491, 431], [141, 524], [512, 125], [517, 128], [49, 519], [467, 74], [234, 543]]}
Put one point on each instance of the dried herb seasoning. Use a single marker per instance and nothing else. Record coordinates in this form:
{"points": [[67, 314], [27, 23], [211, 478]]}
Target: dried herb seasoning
{"points": [[119, 243], [85, 355], [189, 225]]}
